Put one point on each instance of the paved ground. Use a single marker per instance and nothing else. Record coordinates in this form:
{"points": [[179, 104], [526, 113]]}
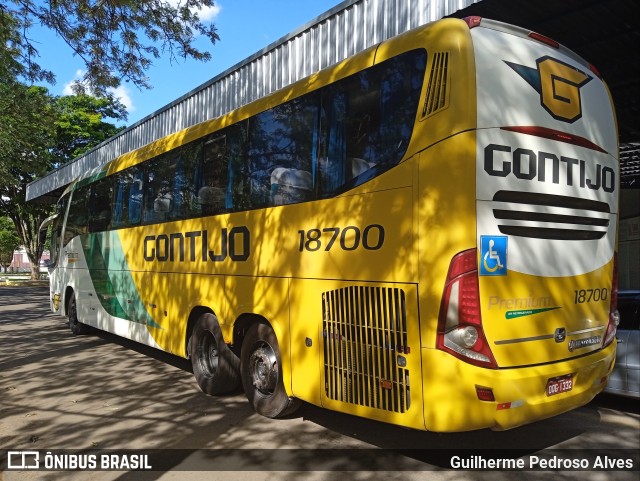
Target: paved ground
{"points": [[102, 392]]}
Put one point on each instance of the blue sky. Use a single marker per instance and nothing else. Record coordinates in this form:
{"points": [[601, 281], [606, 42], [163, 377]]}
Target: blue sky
{"points": [[244, 26]]}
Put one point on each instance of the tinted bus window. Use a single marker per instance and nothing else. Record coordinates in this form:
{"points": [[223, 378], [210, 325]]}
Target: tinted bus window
{"points": [[367, 121], [127, 210], [281, 153], [100, 197], [77, 221]]}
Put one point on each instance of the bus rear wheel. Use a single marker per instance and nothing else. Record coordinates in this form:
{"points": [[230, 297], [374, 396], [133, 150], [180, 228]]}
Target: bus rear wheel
{"points": [[261, 370], [75, 325], [215, 366]]}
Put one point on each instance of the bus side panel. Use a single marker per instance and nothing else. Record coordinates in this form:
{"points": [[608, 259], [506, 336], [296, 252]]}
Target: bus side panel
{"points": [[107, 295], [356, 349], [447, 220], [267, 297]]}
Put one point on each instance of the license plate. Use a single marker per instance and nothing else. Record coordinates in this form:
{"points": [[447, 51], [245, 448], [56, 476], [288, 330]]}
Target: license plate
{"points": [[557, 385]]}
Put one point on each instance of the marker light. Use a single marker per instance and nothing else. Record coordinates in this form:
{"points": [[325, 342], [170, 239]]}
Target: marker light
{"points": [[544, 39]]}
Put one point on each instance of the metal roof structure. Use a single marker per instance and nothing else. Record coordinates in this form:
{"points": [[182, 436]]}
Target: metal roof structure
{"points": [[604, 32]]}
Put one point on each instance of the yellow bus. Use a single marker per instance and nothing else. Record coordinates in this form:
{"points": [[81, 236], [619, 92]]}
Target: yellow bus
{"points": [[423, 234]]}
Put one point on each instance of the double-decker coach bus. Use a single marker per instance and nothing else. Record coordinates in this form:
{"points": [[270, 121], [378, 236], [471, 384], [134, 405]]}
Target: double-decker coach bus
{"points": [[423, 234]]}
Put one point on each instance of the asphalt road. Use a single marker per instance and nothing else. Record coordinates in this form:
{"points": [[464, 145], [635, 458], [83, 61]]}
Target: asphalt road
{"points": [[106, 394]]}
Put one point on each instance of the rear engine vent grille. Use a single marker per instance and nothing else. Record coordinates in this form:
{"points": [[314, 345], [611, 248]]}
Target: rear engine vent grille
{"points": [[437, 92], [365, 339], [545, 216]]}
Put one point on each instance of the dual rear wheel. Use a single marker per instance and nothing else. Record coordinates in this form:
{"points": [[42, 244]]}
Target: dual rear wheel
{"points": [[218, 370]]}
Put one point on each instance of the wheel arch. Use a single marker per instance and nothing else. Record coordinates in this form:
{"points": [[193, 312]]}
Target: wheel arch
{"points": [[242, 325], [68, 292]]}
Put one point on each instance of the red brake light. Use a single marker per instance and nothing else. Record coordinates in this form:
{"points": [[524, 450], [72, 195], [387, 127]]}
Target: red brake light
{"points": [[544, 39], [460, 330], [473, 21]]}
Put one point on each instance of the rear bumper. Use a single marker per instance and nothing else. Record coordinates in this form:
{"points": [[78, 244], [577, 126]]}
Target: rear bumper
{"points": [[451, 402]]}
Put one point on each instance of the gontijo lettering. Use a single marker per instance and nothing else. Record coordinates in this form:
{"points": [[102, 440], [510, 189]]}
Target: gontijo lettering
{"points": [[202, 245], [525, 164]]}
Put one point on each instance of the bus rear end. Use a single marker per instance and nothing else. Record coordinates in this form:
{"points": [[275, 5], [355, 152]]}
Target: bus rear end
{"points": [[527, 322]]}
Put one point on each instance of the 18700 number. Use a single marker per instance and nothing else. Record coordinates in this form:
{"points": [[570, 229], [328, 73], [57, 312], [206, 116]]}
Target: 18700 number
{"points": [[590, 295], [347, 238]]}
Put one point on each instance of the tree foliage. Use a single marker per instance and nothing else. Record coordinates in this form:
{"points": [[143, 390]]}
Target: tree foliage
{"points": [[81, 125], [9, 242], [116, 39], [25, 140], [45, 132]]}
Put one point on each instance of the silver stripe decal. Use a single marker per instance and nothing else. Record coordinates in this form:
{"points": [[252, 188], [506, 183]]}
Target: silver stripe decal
{"points": [[546, 336]]}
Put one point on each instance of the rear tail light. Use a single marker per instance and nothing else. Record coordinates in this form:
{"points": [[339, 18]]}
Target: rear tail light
{"points": [[460, 330], [614, 315]]}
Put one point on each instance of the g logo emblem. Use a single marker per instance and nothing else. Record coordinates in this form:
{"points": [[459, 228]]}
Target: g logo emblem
{"points": [[559, 86], [560, 94]]}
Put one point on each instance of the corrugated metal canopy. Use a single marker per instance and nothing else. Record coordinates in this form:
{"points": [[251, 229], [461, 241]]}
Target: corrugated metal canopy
{"points": [[605, 33]]}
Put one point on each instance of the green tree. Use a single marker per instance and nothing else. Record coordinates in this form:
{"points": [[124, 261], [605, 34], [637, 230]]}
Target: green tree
{"points": [[25, 154], [42, 134], [9, 242], [81, 124], [116, 39]]}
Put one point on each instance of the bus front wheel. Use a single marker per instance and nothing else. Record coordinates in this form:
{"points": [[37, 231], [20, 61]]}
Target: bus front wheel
{"points": [[261, 371], [75, 325], [215, 366]]}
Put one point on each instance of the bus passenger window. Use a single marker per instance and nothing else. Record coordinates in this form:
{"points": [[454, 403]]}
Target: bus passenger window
{"points": [[281, 153], [367, 121], [77, 220], [185, 169], [213, 177], [127, 205], [100, 205], [158, 198], [238, 195]]}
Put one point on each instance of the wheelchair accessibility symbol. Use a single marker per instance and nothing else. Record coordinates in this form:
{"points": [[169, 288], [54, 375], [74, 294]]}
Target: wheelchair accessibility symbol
{"points": [[493, 250]]}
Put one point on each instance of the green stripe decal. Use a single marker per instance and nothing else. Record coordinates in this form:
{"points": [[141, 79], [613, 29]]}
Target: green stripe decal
{"points": [[112, 280], [528, 312]]}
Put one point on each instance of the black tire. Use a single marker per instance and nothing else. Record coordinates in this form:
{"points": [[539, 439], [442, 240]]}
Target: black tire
{"points": [[75, 325], [261, 370], [215, 366]]}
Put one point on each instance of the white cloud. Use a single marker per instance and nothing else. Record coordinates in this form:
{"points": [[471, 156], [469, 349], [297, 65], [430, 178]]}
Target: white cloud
{"points": [[68, 87], [209, 13], [205, 14], [122, 93]]}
